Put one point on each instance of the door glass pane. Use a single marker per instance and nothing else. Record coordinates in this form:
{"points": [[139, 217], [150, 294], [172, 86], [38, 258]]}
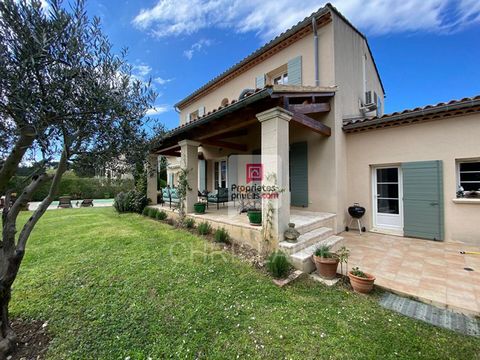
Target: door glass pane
{"points": [[470, 186], [470, 176], [387, 175], [387, 206], [217, 178], [470, 166], [387, 191], [224, 173]]}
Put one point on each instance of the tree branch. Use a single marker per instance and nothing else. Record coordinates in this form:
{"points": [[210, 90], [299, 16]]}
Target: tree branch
{"points": [[26, 195], [28, 227], [27, 136]]}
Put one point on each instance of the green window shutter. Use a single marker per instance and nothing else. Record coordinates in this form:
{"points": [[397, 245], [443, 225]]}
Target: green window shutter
{"points": [[299, 174], [423, 203], [295, 71], [260, 82]]}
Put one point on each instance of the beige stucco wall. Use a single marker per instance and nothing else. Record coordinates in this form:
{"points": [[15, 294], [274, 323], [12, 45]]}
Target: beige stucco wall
{"points": [[340, 64], [303, 47], [447, 140]]}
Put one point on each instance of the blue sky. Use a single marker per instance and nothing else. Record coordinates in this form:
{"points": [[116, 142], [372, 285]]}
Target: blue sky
{"points": [[427, 51]]}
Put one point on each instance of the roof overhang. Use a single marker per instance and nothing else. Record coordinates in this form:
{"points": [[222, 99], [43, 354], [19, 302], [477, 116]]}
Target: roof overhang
{"points": [[451, 109], [242, 113]]}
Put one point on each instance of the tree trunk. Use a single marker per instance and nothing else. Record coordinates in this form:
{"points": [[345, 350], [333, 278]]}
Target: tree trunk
{"points": [[8, 337], [11, 254]]}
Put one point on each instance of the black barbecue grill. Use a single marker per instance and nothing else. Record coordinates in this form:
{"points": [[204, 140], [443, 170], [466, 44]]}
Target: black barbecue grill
{"points": [[356, 212]]}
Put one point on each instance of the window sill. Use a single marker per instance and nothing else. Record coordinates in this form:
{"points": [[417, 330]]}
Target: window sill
{"points": [[466, 201]]}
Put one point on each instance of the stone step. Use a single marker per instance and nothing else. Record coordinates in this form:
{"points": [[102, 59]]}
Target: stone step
{"points": [[317, 221], [305, 240], [302, 260]]}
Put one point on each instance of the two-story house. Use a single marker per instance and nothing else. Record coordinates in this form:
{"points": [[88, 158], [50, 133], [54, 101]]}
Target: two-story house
{"points": [[308, 106]]}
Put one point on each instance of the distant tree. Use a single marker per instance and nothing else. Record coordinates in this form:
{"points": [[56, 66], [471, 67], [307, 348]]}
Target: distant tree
{"points": [[63, 92]]}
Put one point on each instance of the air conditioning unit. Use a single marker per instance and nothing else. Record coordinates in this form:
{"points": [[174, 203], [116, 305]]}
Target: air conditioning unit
{"points": [[371, 101]]}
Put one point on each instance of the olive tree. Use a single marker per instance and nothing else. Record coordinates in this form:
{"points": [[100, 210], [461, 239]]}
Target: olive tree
{"points": [[63, 93]]}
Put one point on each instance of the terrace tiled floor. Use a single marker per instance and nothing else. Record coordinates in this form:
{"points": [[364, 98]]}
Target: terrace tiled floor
{"points": [[430, 271]]}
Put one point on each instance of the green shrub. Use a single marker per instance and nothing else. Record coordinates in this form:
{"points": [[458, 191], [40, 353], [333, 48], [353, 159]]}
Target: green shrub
{"points": [[204, 228], [130, 201], [152, 212], [189, 223], [278, 264], [221, 235], [146, 211], [161, 215], [77, 187]]}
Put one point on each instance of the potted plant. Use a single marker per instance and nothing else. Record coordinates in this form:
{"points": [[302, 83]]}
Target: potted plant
{"points": [[326, 262], [199, 207], [361, 281], [255, 217]]}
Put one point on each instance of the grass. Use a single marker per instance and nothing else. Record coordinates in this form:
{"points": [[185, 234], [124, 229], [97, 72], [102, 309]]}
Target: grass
{"points": [[115, 286]]}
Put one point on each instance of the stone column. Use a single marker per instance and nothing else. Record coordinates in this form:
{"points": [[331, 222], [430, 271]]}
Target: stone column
{"points": [[189, 162], [152, 183], [275, 160]]}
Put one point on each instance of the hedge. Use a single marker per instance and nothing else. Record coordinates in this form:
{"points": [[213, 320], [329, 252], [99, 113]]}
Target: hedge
{"points": [[79, 188]]}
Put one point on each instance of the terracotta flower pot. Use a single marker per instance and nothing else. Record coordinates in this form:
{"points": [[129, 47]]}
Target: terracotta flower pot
{"points": [[326, 267], [360, 284]]}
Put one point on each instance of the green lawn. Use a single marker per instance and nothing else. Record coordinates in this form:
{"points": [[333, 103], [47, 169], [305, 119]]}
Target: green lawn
{"points": [[116, 286]]}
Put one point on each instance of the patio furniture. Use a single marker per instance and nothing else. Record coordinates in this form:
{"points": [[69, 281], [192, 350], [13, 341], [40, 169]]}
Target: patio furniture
{"points": [[165, 195], [86, 203], [174, 197], [219, 196], [64, 202], [170, 196]]}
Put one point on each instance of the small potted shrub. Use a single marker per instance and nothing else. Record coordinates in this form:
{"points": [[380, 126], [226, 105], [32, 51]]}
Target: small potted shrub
{"points": [[199, 207], [361, 281], [255, 217], [326, 262]]}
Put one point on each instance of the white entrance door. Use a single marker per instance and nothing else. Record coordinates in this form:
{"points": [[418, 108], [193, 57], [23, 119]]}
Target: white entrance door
{"points": [[387, 198]]}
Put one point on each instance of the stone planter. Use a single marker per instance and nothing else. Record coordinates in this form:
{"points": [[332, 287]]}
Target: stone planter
{"points": [[361, 285], [199, 208], [255, 217], [291, 234], [326, 267]]}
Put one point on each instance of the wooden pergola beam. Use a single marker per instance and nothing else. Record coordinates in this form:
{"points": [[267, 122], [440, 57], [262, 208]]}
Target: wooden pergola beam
{"points": [[225, 144], [311, 124], [309, 108]]}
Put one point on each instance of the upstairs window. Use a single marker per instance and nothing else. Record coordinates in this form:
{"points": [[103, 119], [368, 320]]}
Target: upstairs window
{"points": [[281, 79], [469, 175], [278, 76], [193, 116]]}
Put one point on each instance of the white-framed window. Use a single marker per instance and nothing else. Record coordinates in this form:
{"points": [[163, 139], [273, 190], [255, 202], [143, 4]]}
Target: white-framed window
{"points": [[193, 116], [468, 174], [281, 79], [220, 173]]}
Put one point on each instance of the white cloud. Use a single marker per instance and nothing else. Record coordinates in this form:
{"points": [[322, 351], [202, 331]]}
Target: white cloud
{"points": [[161, 81], [199, 45], [141, 70], [270, 17], [157, 110]]}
